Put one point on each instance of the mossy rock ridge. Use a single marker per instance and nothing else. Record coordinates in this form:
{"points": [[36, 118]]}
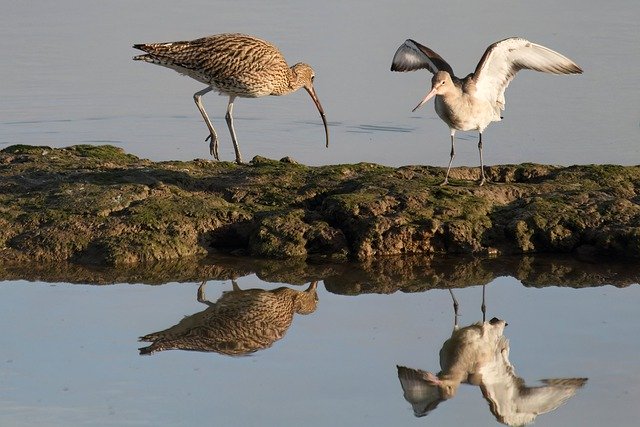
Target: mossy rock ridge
{"points": [[97, 205]]}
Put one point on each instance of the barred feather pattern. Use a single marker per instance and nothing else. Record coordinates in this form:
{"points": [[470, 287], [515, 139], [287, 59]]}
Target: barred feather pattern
{"points": [[234, 64], [240, 322]]}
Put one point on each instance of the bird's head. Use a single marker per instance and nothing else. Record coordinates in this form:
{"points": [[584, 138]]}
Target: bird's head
{"points": [[307, 301], [303, 77], [441, 83]]}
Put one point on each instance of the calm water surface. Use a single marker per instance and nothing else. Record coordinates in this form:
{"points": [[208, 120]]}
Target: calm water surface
{"points": [[69, 353], [68, 78]]}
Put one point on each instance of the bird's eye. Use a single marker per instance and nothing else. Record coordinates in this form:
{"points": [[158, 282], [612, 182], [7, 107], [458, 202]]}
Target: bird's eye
{"points": [[312, 77]]}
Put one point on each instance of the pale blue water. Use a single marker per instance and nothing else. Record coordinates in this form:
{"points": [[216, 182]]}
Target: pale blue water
{"points": [[68, 78], [68, 354]]}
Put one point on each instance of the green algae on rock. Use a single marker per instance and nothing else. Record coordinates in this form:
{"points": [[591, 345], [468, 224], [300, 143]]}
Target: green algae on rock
{"points": [[98, 205]]}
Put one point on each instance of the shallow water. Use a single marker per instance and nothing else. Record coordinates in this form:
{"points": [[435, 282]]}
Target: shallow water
{"points": [[68, 79], [70, 352]]}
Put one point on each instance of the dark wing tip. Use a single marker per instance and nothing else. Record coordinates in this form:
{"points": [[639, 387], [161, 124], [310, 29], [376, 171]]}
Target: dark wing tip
{"points": [[569, 69], [408, 57]]}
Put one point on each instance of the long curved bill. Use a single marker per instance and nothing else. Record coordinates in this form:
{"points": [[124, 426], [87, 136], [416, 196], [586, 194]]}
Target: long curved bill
{"points": [[426, 98], [312, 92]]}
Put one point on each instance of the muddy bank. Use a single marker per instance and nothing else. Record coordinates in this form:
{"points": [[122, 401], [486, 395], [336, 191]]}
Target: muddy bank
{"points": [[96, 205]]}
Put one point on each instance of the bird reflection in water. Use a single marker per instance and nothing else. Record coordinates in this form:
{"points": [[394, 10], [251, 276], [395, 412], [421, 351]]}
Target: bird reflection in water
{"points": [[478, 354], [238, 323]]}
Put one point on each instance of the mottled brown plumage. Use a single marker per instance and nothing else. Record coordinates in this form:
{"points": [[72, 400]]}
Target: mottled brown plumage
{"points": [[236, 65], [238, 323]]}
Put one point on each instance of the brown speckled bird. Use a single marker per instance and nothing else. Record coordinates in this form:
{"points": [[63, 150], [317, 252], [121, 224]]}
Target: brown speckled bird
{"points": [[236, 65], [238, 323]]}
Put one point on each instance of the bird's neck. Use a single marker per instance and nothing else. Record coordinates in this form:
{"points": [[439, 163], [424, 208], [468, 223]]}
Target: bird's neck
{"points": [[296, 80], [293, 83], [454, 374], [452, 93]]}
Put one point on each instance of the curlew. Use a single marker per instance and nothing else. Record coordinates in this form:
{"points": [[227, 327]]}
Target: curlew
{"points": [[475, 101], [236, 65], [240, 322]]}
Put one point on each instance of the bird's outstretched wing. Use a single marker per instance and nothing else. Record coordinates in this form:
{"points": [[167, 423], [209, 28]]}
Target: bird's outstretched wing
{"points": [[412, 56], [419, 390], [514, 403], [502, 60], [546, 398]]}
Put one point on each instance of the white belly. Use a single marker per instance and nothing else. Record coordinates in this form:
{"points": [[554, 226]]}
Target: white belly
{"points": [[466, 113]]}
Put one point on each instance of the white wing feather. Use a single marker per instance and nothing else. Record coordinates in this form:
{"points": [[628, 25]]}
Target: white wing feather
{"points": [[502, 60]]}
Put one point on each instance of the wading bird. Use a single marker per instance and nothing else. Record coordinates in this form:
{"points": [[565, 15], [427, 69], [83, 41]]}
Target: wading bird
{"points": [[236, 65], [475, 101], [240, 322], [478, 354]]}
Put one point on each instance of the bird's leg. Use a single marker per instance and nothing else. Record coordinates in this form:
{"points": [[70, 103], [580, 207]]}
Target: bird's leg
{"points": [[483, 307], [229, 118], [482, 177], [455, 310], [201, 297], [213, 144], [451, 156]]}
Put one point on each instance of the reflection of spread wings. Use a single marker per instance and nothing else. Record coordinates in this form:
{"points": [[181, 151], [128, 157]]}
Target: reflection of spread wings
{"points": [[478, 354], [513, 403], [239, 323], [419, 390]]}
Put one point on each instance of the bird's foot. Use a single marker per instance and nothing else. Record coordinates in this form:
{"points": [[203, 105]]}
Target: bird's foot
{"points": [[213, 146], [445, 182], [482, 181]]}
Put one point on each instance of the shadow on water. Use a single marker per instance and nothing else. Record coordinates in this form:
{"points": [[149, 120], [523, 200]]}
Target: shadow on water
{"points": [[365, 128], [240, 322], [382, 275], [478, 355]]}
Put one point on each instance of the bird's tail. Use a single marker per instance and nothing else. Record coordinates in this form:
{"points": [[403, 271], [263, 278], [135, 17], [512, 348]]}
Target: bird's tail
{"points": [[155, 59], [147, 350], [160, 53]]}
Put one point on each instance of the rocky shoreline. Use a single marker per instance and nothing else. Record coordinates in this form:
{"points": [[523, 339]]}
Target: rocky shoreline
{"points": [[97, 205]]}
